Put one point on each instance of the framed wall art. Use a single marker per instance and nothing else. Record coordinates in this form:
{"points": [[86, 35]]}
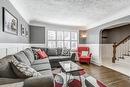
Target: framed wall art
{"points": [[23, 32], [10, 22], [27, 32]]}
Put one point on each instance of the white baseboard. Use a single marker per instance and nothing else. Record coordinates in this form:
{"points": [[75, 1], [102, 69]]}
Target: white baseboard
{"points": [[98, 64]]}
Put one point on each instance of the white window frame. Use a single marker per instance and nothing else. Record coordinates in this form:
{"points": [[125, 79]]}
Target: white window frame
{"points": [[56, 40]]}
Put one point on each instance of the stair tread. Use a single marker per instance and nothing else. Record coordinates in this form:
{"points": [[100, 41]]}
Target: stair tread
{"points": [[121, 57]]}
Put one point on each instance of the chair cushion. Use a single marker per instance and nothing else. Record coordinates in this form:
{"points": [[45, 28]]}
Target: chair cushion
{"points": [[21, 57], [5, 67], [23, 71], [52, 52], [40, 61], [29, 53], [40, 67]]}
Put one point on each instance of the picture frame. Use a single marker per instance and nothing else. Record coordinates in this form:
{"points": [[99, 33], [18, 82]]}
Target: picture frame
{"points": [[10, 22], [23, 32], [27, 32]]}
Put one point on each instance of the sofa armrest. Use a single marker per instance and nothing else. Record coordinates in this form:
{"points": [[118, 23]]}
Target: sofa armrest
{"points": [[73, 57], [39, 82]]}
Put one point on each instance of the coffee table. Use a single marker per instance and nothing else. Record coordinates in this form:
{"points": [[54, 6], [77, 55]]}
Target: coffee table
{"points": [[70, 68]]}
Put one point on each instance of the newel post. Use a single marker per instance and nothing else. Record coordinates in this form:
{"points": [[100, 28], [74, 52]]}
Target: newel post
{"points": [[114, 53]]}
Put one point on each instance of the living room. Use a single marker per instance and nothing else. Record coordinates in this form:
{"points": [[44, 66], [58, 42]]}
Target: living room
{"points": [[64, 43]]}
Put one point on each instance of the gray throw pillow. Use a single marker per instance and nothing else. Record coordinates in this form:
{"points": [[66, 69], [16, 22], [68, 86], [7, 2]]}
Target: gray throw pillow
{"points": [[59, 51], [21, 57], [30, 55], [23, 71], [52, 52]]}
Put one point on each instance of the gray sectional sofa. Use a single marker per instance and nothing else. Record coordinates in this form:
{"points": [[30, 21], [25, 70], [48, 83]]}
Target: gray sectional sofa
{"points": [[9, 79], [44, 66], [55, 56]]}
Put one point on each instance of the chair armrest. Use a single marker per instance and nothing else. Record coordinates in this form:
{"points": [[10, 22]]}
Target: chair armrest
{"points": [[79, 54], [39, 82], [90, 55]]}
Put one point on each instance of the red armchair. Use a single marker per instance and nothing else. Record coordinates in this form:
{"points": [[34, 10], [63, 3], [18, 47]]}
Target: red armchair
{"points": [[85, 59]]}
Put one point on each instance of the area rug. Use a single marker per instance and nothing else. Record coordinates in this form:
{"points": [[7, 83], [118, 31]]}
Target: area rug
{"points": [[74, 81]]}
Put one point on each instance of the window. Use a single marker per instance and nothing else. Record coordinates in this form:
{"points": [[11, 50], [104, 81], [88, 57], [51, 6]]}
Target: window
{"points": [[59, 35], [51, 44], [51, 35], [62, 39], [51, 39], [67, 44], [73, 35], [66, 35]]}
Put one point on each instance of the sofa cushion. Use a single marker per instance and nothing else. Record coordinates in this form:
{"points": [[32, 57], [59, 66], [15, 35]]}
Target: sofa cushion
{"points": [[40, 61], [46, 73], [52, 52], [17, 84], [21, 57], [59, 57], [42, 81], [10, 81], [40, 67], [5, 67], [29, 53], [24, 71]]}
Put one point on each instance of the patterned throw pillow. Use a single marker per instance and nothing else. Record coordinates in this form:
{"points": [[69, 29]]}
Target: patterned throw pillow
{"points": [[84, 53], [23, 71], [41, 54], [65, 51]]}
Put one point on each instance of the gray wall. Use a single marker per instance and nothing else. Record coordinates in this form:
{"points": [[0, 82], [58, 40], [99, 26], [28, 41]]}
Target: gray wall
{"points": [[55, 27], [117, 34], [9, 38], [93, 36], [37, 34]]}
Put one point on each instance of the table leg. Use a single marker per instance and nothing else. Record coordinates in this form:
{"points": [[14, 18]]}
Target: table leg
{"points": [[66, 81]]}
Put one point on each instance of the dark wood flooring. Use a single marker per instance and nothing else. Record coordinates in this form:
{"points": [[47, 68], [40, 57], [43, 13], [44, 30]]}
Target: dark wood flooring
{"points": [[108, 76]]}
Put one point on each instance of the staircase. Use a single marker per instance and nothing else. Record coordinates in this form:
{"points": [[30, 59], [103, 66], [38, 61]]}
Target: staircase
{"points": [[121, 52]]}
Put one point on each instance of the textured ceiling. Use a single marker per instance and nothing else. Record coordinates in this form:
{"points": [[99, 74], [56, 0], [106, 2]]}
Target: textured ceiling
{"points": [[88, 13]]}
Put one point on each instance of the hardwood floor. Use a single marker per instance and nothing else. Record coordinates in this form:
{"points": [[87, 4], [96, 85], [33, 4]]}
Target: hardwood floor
{"points": [[108, 76]]}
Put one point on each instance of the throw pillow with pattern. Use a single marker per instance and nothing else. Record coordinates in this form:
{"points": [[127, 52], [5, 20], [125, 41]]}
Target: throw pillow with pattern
{"points": [[35, 53], [65, 51], [23, 71]]}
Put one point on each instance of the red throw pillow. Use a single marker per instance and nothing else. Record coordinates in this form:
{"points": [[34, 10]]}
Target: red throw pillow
{"points": [[41, 54]]}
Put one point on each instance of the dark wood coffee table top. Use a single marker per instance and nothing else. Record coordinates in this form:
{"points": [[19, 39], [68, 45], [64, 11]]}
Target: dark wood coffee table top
{"points": [[69, 66]]}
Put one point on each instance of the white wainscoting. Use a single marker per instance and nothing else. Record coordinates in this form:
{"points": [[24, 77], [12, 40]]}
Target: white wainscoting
{"points": [[11, 48], [38, 45]]}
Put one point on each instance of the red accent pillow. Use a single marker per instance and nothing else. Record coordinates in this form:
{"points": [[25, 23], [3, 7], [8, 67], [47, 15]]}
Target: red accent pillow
{"points": [[41, 54]]}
